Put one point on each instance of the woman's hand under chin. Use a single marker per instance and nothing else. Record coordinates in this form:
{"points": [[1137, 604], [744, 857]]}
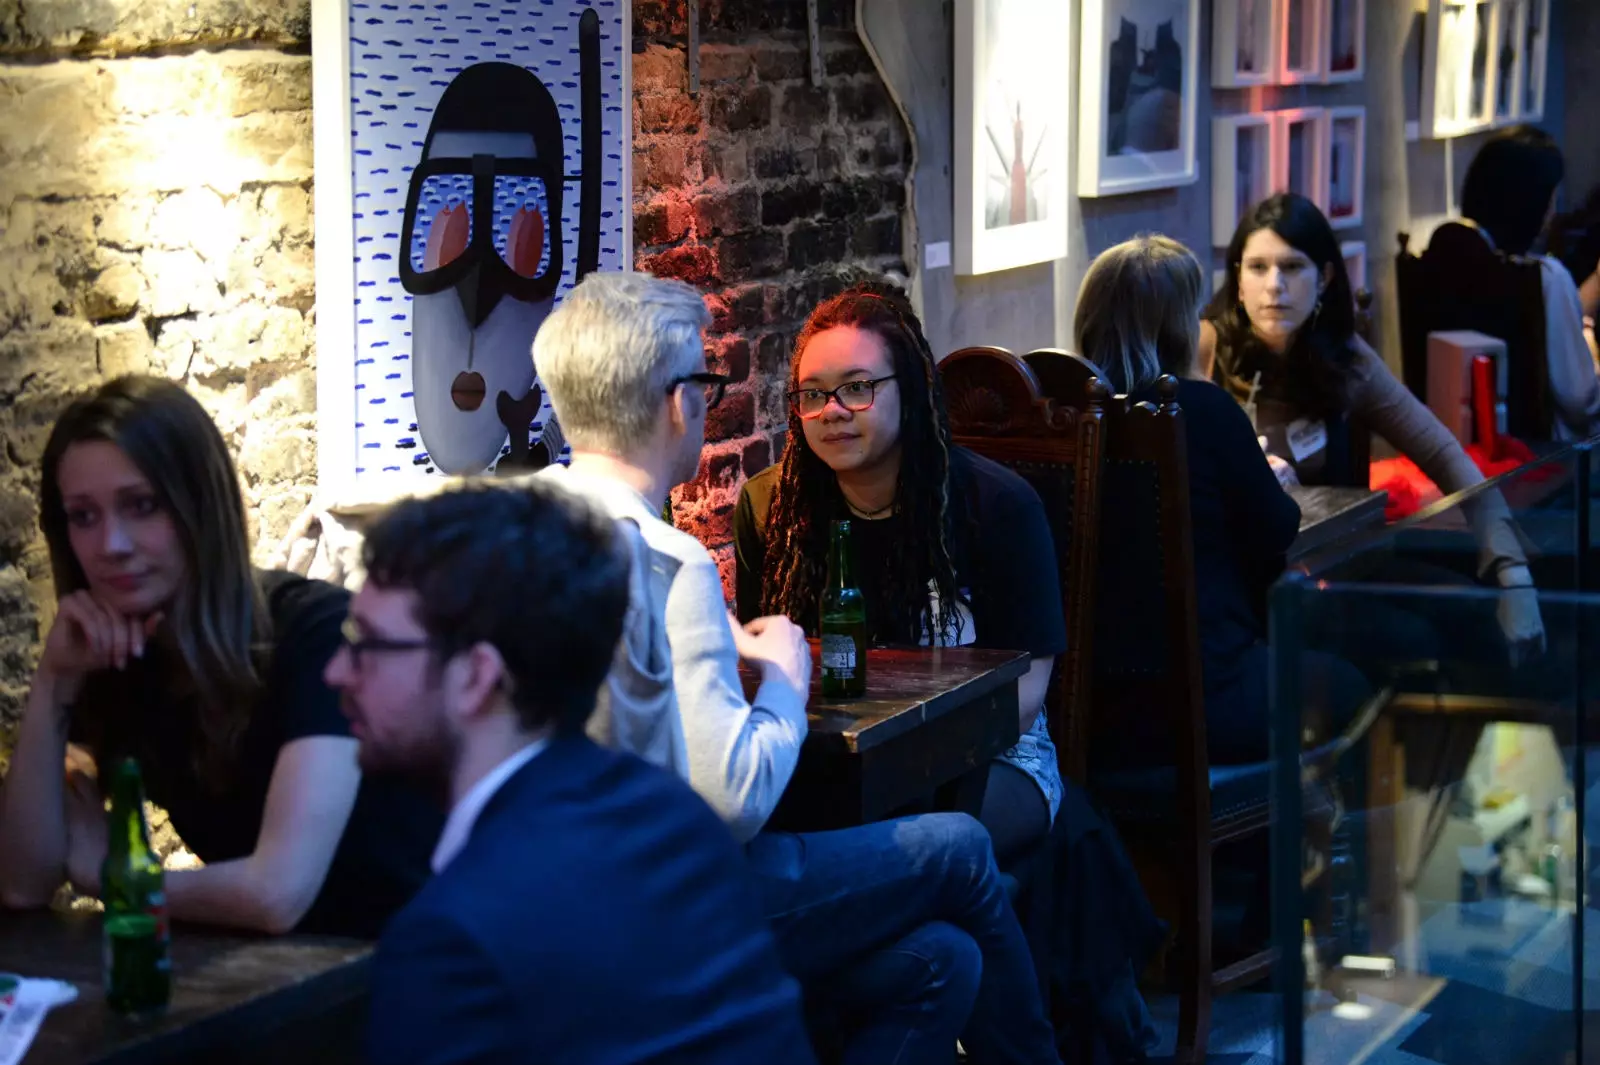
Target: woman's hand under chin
{"points": [[88, 636]]}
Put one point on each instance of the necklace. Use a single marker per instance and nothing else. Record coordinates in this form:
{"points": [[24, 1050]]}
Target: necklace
{"points": [[870, 514]]}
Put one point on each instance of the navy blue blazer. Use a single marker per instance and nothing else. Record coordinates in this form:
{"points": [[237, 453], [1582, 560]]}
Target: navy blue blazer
{"points": [[599, 914]]}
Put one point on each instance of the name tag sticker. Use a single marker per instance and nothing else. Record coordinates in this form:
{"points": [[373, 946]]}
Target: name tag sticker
{"points": [[1306, 437]]}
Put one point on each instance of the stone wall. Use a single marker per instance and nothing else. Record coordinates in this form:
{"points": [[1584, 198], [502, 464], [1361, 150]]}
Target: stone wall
{"points": [[764, 191], [155, 215]]}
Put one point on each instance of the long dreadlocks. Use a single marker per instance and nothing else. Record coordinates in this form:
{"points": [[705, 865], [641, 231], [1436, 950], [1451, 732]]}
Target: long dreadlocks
{"points": [[807, 496]]}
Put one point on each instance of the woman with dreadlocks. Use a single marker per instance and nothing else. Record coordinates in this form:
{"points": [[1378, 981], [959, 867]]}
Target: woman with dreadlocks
{"points": [[950, 548]]}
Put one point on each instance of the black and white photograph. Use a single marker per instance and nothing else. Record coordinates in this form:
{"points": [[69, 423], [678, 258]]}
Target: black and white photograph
{"points": [[1241, 174], [1507, 68], [1346, 164], [1244, 44], [1299, 146], [1300, 40], [1346, 28], [1535, 58], [1139, 87]]}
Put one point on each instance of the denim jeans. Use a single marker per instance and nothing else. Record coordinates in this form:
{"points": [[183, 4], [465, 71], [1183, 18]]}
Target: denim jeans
{"points": [[837, 899]]}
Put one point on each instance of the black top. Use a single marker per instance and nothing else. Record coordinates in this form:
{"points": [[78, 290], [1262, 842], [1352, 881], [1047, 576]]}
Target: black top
{"points": [[1242, 525], [1005, 558], [382, 858]]}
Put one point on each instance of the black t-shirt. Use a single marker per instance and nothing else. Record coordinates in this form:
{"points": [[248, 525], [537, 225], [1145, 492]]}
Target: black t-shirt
{"points": [[383, 856], [1004, 557]]}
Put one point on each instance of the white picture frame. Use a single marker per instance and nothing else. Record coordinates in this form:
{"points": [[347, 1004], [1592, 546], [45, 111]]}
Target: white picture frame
{"points": [[1354, 253], [1533, 39], [1459, 61], [1346, 165], [1510, 24], [1244, 43], [1127, 142], [1242, 167], [1343, 44], [1300, 153], [1011, 186], [1301, 33]]}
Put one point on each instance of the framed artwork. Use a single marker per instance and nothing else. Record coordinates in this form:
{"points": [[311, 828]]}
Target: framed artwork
{"points": [[1241, 170], [1411, 66], [1458, 67], [1354, 253], [1344, 40], [478, 169], [1533, 49], [1244, 43], [1136, 115], [1011, 181], [1301, 30], [1509, 22], [1347, 164], [1299, 139]]}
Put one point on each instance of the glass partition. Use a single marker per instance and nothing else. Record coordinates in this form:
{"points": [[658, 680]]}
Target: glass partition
{"points": [[1433, 818]]}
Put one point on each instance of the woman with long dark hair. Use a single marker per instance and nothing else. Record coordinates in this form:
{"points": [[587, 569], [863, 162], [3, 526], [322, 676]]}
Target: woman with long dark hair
{"points": [[950, 548], [1280, 335], [169, 647]]}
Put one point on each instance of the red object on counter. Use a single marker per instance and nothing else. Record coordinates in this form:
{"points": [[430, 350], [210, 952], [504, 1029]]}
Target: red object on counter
{"points": [[1483, 401]]}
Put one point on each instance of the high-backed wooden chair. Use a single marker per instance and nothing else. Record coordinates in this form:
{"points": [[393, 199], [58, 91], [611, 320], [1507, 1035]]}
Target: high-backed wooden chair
{"points": [[1460, 282], [999, 410]]}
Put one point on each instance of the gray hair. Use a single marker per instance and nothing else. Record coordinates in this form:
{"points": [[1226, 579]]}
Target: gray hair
{"points": [[1139, 312], [607, 354]]}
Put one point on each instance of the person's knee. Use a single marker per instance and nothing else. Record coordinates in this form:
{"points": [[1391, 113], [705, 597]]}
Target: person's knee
{"points": [[948, 964], [949, 839]]}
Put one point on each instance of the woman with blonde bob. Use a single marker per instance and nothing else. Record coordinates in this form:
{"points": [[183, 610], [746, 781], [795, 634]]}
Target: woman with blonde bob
{"points": [[168, 647], [1139, 318]]}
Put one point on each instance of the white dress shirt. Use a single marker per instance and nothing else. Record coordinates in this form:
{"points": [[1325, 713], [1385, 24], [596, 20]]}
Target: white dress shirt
{"points": [[458, 827]]}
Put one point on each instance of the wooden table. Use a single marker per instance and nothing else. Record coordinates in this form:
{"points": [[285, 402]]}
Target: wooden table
{"points": [[929, 725], [1329, 513], [293, 999]]}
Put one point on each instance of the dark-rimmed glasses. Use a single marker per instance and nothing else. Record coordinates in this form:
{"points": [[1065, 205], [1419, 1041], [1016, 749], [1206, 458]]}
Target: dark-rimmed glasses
{"points": [[715, 385], [853, 396], [360, 645]]}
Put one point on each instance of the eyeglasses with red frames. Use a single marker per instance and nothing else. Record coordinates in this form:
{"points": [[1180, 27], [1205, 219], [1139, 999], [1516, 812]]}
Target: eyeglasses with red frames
{"points": [[853, 396]]}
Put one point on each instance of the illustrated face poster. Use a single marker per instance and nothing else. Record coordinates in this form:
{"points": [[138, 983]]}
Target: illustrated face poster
{"points": [[488, 166]]}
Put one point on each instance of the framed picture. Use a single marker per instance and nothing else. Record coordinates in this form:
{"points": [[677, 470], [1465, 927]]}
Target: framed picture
{"points": [[1011, 133], [1344, 40], [1411, 66], [1244, 43], [1347, 164], [472, 165], [1533, 41], [1354, 253], [1241, 170], [1141, 78], [1509, 22], [1458, 67], [1301, 29], [1299, 154]]}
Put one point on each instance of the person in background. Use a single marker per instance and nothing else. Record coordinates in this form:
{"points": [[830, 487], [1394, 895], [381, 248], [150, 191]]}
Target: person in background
{"points": [[902, 926], [1508, 196], [1281, 333], [951, 548], [167, 646], [1138, 319], [1575, 242], [587, 906]]}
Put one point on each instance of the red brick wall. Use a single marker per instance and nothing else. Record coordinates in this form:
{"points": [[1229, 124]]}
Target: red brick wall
{"points": [[766, 193]]}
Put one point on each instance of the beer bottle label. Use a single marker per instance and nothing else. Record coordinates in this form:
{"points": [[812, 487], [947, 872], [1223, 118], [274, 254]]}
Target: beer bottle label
{"points": [[839, 654]]}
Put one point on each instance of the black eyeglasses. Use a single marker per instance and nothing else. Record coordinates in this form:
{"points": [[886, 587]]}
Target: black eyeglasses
{"points": [[853, 396], [360, 645], [715, 385]]}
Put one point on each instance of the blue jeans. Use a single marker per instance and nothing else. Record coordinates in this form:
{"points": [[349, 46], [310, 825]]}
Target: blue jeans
{"points": [[837, 900]]}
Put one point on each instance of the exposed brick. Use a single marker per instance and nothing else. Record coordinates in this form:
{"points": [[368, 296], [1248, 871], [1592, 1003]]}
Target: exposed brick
{"points": [[778, 440], [781, 62], [784, 204], [658, 68], [890, 150], [844, 62], [757, 457], [881, 236], [772, 355], [693, 263], [721, 472], [746, 256], [668, 113], [662, 222], [724, 212], [667, 164], [863, 100], [793, 302], [739, 309], [720, 62], [819, 244], [803, 107], [737, 109], [729, 162], [711, 525], [779, 162], [734, 417], [733, 359]]}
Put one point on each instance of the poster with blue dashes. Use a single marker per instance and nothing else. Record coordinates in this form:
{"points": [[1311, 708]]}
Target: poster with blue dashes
{"points": [[489, 145]]}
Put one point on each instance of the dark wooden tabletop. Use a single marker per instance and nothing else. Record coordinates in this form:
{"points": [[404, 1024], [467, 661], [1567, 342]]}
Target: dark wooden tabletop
{"points": [[234, 998], [906, 687], [1330, 513]]}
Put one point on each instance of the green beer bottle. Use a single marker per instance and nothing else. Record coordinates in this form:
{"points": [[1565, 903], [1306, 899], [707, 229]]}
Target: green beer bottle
{"points": [[138, 970], [844, 622]]}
